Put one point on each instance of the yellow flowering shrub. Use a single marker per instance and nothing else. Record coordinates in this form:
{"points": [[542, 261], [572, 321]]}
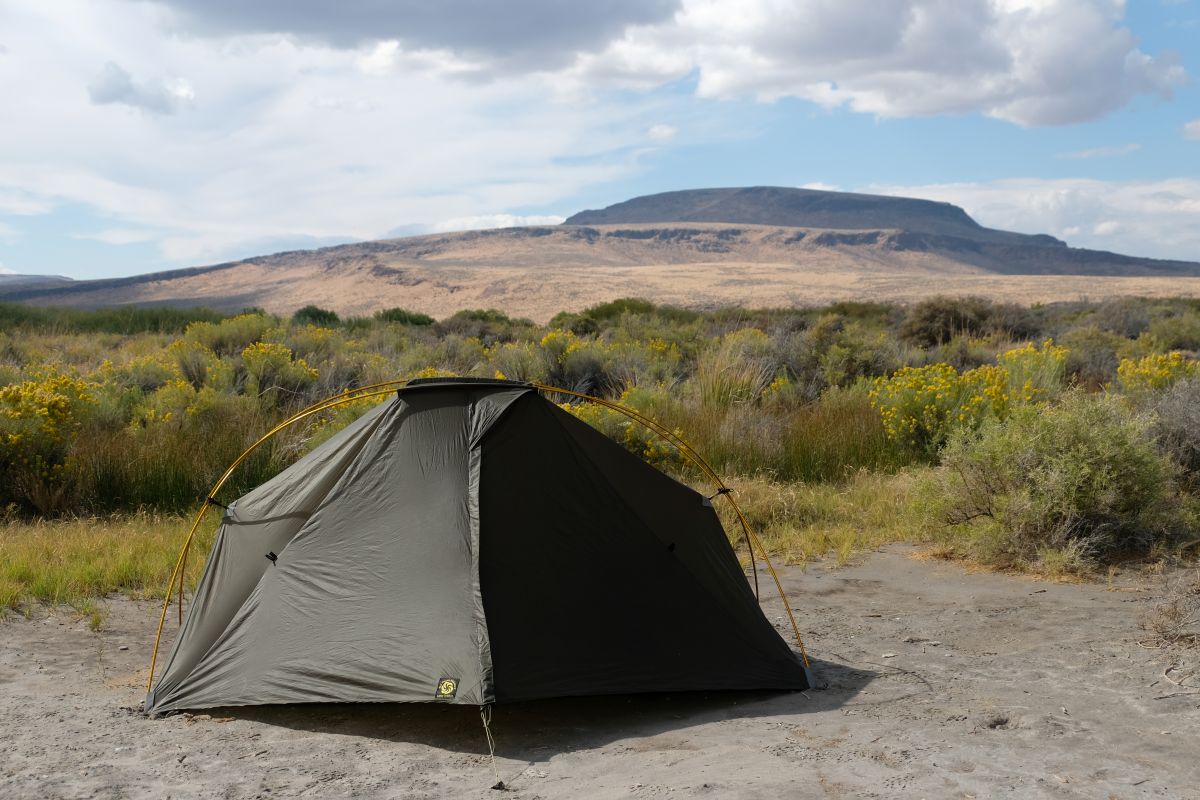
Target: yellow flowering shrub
{"points": [[145, 372], [920, 406], [230, 336], [558, 343], [315, 342], [169, 403], [1156, 371], [38, 423], [274, 374], [194, 362], [1035, 374]]}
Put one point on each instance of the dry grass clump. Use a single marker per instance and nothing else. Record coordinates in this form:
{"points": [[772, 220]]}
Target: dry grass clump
{"points": [[1175, 618], [802, 522], [72, 562]]}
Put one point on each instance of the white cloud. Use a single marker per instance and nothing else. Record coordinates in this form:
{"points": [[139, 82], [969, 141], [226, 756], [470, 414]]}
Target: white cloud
{"points": [[662, 133], [1049, 62], [821, 186], [483, 221], [1105, 152], [355, 132], [1159, 219], [284, 139], [8, 234], [1191, 130], [22, 203], [118, 236], [113, 85], [529, 34], [5, 270]]}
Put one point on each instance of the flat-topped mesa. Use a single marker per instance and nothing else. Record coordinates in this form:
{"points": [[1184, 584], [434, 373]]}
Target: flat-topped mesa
{"points": [[803, 208]]}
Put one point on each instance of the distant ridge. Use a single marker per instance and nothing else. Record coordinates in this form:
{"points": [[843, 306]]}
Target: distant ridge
{"points": [[759, 246], [804, 208], [11, 280]]}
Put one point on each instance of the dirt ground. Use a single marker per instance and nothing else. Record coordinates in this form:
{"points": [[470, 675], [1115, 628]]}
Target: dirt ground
{"points": [[937, 684]]}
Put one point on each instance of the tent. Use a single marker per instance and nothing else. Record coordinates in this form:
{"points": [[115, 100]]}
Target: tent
{"points": [[469, 542]]}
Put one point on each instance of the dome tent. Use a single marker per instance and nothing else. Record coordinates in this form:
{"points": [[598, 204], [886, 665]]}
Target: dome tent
{"points": [[469, 542]]}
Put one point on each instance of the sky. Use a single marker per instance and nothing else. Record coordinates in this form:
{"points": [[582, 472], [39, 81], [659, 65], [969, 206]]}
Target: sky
{"points": [[141, 135]]}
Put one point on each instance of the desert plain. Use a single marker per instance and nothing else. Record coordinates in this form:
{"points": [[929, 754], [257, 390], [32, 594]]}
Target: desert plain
{"points": [[934, 682]]}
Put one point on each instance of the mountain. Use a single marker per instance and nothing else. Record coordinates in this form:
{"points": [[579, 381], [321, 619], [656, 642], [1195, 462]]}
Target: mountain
{"points": [[12, 280], [805, 208], [758, 246]]}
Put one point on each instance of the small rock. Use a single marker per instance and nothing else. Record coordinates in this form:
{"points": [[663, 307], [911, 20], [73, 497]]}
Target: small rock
{"points": [[889, 655], [123, 647]]}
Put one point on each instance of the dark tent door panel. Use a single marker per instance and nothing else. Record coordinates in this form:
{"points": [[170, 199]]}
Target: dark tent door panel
{"points": [[601, 575]]}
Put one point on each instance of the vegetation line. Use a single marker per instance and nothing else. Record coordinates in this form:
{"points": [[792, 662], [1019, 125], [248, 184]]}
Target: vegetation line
{"points": [[1060, 439]]}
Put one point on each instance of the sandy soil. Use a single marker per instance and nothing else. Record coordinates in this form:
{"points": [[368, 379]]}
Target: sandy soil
{"points": [[939, 684]]}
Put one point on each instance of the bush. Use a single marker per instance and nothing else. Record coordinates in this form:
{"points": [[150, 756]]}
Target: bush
{"points": [[38, 424], [1176, 427], [922, 406], [1178, 332], [1015, 323], [1092, 355], [619, 307], [315, 315], [1125, 316], [939, 319], [1067, 486], [231, 336], [1035, 375], [1138, 378], [275, 377], [738, 369], [404, 317], [487, 325]]}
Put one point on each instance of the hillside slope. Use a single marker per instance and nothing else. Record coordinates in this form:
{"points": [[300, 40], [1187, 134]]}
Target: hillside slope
{"points": [[816, 247]]}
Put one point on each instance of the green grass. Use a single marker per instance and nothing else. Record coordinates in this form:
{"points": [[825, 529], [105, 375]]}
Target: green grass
{"points": [[127, 320], [75, 562], [802, 522], [823, 441]]}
